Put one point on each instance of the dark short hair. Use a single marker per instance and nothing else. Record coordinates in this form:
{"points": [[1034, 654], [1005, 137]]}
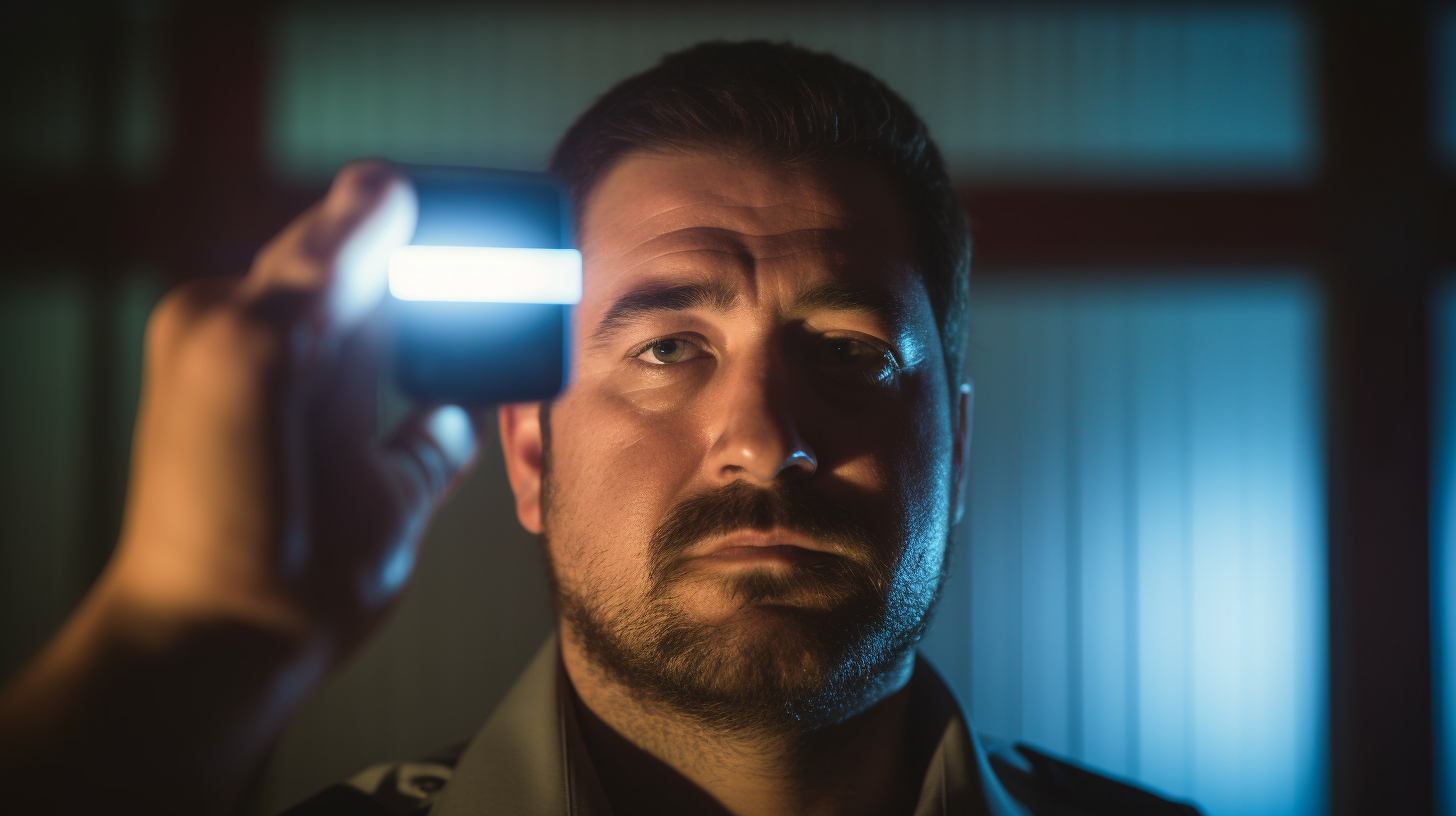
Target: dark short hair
{"points": [[785, 103]]}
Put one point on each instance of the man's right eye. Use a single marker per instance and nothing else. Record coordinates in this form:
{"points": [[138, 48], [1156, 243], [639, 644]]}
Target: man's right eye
{"points": [[669, 351]]}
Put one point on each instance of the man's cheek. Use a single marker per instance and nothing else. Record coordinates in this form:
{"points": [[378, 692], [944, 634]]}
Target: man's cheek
{"points": [[654, 393], [667, 443], [624, 475]]}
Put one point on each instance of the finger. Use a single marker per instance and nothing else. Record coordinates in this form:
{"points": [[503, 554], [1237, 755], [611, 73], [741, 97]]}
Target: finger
{"points": [[345, 407], [338, 250], [430, 453]]}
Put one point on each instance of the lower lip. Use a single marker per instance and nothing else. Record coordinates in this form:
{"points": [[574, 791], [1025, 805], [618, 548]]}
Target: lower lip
{"points": [[756, 555]]}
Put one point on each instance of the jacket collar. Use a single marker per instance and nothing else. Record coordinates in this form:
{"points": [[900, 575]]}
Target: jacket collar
{"points": [[530, 758]]}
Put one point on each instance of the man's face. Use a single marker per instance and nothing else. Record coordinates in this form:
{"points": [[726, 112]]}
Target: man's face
{"points": [[746, 491]]}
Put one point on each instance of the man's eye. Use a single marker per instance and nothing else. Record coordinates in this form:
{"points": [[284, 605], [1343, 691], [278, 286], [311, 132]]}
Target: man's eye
{"points": [[844, 351], [671, 350], [858, 359]]}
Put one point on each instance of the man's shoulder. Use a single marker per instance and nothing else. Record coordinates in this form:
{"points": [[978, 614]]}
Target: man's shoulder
{"points": [[388, 789], [1047, 785]]}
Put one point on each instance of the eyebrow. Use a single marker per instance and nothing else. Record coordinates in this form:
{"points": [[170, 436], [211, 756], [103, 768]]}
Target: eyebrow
{"points": [[718, 296], [833, 297]]}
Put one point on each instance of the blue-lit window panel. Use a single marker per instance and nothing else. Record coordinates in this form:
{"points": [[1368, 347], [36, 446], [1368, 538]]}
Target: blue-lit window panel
{"points": [[1443, 545], [1444, 41], [1141, 569], [1210, 92]]}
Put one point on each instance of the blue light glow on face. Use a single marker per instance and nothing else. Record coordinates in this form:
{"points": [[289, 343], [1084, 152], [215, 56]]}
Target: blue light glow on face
{"points": [[486, 274]]}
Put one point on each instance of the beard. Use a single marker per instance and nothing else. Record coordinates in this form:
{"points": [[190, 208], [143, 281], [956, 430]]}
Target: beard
{"points": [[804, 648]]}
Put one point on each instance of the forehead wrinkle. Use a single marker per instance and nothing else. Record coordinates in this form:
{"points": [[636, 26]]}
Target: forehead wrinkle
{"points": [[751, 244], [749, 260], [746, 249], [737, 256], [717, 215], [735, 216]]}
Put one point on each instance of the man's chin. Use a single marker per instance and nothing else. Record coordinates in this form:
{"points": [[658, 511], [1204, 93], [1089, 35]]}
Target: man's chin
{"points": [[768, 664]]}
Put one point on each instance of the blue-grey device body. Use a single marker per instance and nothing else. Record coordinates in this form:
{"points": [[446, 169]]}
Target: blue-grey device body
{"points": [[474, 353]]}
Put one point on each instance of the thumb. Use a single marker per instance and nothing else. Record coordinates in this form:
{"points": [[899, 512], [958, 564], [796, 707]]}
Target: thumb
{"points": [[429, 453]]}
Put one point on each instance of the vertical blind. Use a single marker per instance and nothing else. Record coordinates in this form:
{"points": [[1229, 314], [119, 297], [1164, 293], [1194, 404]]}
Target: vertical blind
{"points": [[1139, 582]]}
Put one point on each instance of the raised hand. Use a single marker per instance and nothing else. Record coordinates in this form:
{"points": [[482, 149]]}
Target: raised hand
{"points": [[267, 533]]}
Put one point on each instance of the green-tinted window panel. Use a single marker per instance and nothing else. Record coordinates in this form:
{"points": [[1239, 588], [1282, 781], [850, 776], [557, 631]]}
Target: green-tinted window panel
{"points": [[44, 96], [71, 379], [43, 457], [139, 134], [51, 94], [1131, 91]]}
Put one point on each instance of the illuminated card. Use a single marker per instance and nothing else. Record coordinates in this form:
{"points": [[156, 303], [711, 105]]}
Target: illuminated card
{"points": [[481, 298]]}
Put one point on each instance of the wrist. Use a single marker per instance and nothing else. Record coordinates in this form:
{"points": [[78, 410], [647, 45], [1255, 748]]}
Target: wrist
{"points": [[199, 692], [246, 636]]}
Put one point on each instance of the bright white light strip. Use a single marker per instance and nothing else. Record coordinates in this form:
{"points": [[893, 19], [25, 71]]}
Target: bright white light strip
{"points": [[485, 274]]}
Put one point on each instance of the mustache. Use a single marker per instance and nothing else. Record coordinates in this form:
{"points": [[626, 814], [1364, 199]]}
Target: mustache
{"points": [[741, 506]]}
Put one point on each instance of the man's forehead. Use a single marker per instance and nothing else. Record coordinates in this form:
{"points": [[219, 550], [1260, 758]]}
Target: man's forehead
{"points": [[655, 214], [671, 192]]}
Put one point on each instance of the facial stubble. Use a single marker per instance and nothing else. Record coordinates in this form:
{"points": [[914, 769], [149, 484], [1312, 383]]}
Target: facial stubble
{"points": [[805, 647]]}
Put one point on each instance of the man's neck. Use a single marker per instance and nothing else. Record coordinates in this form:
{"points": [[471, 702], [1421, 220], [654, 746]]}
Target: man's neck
{"points": [[652, 761]]}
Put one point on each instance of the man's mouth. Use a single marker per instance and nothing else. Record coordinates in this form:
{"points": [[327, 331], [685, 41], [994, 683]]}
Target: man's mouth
{"points": [[763, 546]]}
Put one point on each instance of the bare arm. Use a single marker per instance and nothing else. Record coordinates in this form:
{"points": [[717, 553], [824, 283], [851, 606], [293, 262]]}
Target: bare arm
{"points": [[267, 533]]}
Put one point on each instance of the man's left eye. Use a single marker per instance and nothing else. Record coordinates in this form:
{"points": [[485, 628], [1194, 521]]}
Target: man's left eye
{"points": [[845, 351], [863, 361]]}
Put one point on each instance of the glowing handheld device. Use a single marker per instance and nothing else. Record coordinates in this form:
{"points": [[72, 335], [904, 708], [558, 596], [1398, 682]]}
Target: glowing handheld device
{"points": [[480, 299]]}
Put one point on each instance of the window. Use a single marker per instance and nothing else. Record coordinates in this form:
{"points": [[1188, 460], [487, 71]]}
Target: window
{"points": [[1140, 574]]}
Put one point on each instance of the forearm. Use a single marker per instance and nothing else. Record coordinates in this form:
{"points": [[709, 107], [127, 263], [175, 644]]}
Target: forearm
{"points": [[133, 710], [265, 527]]}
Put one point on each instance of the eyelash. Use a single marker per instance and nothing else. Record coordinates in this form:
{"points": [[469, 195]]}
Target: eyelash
{"points": [[646, 347], [894, 359]]}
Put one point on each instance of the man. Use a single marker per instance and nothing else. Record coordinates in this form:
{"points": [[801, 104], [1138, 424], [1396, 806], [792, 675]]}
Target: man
{"points": [[744, 497]]}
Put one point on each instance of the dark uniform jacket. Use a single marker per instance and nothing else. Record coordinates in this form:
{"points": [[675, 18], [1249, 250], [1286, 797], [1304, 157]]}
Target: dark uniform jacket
{"points": [[530, 760]]}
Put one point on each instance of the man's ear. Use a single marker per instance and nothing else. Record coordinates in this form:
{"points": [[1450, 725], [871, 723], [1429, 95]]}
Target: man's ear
{"points": [[520, 430], [961, 457]]}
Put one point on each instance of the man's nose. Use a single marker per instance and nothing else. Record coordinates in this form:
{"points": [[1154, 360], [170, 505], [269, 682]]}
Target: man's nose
{"points": [[758, 437]]}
